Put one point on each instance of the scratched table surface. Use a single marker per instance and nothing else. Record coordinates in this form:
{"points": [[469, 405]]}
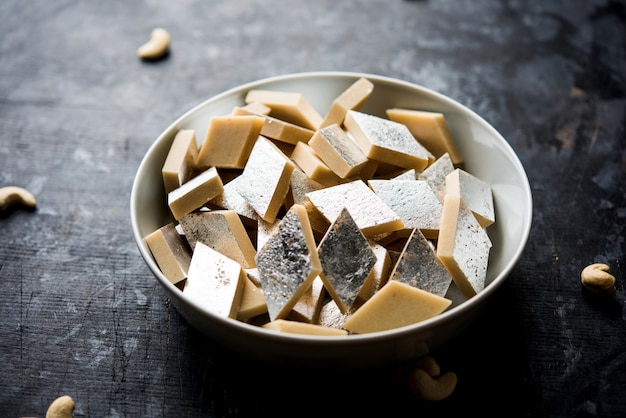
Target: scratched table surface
{"points": [[81, 313]]}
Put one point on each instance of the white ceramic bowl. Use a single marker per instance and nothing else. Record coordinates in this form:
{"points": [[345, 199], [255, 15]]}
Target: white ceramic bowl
{"points": [[487, 155]]}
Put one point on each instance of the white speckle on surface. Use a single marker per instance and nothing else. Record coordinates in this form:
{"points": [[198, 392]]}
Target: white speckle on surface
{"points": [[99, 351], [141, 298], [83, 156]]}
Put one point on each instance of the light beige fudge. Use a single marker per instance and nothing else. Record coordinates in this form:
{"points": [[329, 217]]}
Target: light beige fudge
{"points": [[435, 174], [347, 260], [395, 305], [256, 108], [368, 171], [370, 213], [430, 129], [253, 275], [195, 193], [229, 140], [463, 246], [474, 192], [295, 327], [413, 201], [264, 231], [180, 163], [170, 252], [386, 141], [264, 181], [340, 153], [215, 282], [252, 302], [299, 185], [331, 316], [223, 231], [287, 106], [410, 174], [418, 266], [308, 307], [319, 222], [352, 98], [277, 129], [309, 162], [288, 262], [232, 200], [378, 276]]}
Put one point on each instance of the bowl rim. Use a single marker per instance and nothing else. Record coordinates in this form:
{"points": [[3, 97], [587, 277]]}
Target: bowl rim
{"points": [[420, 327]]}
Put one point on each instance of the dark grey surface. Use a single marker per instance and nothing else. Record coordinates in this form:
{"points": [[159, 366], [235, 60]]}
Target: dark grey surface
{"points": [[81, 314]]}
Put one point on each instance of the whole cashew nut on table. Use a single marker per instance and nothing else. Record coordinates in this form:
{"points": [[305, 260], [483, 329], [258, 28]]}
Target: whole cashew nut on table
{"points": [[61, 407], [596, 278], [13, 196], [156, 47]]}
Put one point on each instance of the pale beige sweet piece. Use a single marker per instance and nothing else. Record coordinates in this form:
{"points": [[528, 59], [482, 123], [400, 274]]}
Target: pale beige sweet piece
{"points": [[170, 252], [195, 193], [296, 327], [331, 316], [180, 163], [287, 106], [277, 129], [410, 174], [378, 276], [347, 260], [253, 275], [288, 262], [256, 107], [309, 162], [264, 181], [395, 305], [223, 231], [252, 302], [319, 222], [475, 193], [413, 201], [215, 282], [463, 246], [232, 200], [430, 129], [264, 230], [368, 171], [308, 307], [418, 266], [352, 98], [435, 174], [340, 153], [229, 140], [386, 141], [299, 185], [370, 213]]}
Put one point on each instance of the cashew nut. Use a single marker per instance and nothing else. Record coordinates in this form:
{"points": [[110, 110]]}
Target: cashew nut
{"points": [[595, 278], [429, 365], [431, 388], [13, 195], [61, 407], [156, 47]]}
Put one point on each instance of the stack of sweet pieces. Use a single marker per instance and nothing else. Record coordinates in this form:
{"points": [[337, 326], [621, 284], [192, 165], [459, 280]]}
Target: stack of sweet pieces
{"points": [[344, 224]]}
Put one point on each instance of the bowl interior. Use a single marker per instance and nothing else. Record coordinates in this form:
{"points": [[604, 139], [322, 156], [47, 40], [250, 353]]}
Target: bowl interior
{"points": [[487, 155]]}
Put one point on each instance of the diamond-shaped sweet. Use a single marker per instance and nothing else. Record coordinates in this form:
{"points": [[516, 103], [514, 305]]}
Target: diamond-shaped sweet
{"points": [[347, 260], [288, 262]]}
